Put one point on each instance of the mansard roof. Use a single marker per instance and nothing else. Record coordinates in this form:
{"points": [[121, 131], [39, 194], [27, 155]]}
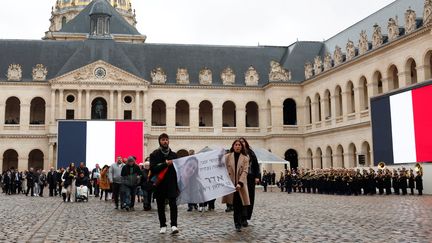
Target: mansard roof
{"points": [[81, 23]]}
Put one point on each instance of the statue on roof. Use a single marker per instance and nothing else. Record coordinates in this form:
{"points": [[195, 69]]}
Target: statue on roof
{"points": [[350, 49], [393, 28], [318, 65], [228, 76], [363, 43], [337, 56], [205, 76], [377, 38], [251, 76], [39, 72], [410, 21], [182, 76], [327, 62], [278, 73], [14, 72], [158, 76], [308, 70]]}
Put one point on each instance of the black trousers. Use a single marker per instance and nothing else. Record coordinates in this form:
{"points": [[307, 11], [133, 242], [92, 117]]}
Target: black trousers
{"points": [[30, 188], [116, 193], [251, 190], [161, 210], [239, 210], [52, 191]]}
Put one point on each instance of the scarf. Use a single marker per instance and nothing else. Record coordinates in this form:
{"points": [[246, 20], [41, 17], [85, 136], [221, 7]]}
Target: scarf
{"points": [[164, 151]]}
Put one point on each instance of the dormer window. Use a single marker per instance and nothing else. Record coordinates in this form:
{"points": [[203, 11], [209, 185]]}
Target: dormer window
{"points": [[100, 16]]}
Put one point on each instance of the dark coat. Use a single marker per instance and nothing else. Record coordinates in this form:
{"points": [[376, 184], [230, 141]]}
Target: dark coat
{"points": [[82, 181], [85, 170], [52, 179], [130, 175], [168, 188], [68, 177], [419, 182], [30, 179]]}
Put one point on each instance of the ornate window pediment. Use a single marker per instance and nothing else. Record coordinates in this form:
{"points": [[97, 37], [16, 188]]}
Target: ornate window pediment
{"points": [[410, 21], [228, 76], [158, 76], [205, 76], [363, 43], [251, 77], [14, 72], [393, 29], [182, 76], [278, 73]]}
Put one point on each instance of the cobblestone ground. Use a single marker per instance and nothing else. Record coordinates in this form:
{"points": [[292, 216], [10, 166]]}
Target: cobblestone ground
{"points": [[278, 217]]}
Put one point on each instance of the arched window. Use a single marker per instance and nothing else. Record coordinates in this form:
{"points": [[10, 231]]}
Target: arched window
{"points": [[350, 98], [10, 159], [289, 112], [428, 65], [411, 68], [377, 80], [158, 113], [327, 105], [64, 21], [340, 161], [308, 106], [365, 150], [252, 114], [229, 114], [269, 114], [182, 113], [364, 104], [99, 109], [329, 158], [205, 114], [292, 156], [12, 112], [37, 111], [36, 159], [352, 152], [309, 158], [317, 107], [319, 159], [338, 99], [393, 77]]}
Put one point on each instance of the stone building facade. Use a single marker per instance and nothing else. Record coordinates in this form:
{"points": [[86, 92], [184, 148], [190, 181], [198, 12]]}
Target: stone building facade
{"points": [[308, 103]]}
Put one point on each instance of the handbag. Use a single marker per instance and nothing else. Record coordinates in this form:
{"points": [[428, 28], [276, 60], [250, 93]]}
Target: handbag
{"points": [[64, 190], [158, 178]]}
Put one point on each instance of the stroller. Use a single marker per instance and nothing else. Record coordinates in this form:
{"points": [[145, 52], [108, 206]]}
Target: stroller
{"points": [[81, 194]]}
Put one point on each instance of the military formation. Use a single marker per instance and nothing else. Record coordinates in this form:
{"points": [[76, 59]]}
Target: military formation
{"points": [[344, 181]]}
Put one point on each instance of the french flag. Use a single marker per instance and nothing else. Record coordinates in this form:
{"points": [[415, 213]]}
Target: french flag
{"points": [[99, 142], [402, 126]]}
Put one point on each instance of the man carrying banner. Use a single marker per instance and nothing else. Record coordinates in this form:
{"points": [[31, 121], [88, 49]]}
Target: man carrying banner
{"points": [[164, 179]]}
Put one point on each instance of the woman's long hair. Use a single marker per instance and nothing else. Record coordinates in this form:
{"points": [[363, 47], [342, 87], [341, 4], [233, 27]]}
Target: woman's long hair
{"points": [[242, 151]]}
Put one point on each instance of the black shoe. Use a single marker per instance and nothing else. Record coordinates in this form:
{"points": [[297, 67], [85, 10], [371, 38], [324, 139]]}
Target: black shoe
{"points": [[189, 210], [245, 223], [127, 208], [238, 228]]}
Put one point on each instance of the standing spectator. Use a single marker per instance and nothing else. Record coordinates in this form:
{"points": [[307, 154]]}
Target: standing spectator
{"points": [[265, 180], [23, 182], [60, 181], [30, 182], [130, 178], [146, 187], [166, 188], [419, 182], [42, 182], [36, 183], [82, 168], [52, 182], [237, 164], [288, 182], [95, 177], [68, 178], [114, 176], [103, 182], [273, 178]]}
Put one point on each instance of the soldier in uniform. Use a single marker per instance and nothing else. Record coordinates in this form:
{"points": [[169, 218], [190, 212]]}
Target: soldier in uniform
{"points": [[372, 182], [387, 181], [380, 182], [403, 181], [395, 182], [419, 182], [411, 181]]}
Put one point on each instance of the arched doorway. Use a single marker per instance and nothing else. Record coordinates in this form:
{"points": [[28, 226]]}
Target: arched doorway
{"points": [[411, 69], [99, 109], [36, 159], [292, 156], [10, 159], [182, 153], [392, 74], [352, 152]]}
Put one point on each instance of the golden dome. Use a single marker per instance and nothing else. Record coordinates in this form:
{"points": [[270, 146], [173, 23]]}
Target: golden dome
{"points": [[122, 5]]}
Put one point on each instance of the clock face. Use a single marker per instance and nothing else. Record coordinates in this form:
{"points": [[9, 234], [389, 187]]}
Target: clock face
{"points": [[100, 72]]}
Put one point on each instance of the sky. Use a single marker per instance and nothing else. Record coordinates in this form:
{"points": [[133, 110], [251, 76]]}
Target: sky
{"points": [[215, 22]]}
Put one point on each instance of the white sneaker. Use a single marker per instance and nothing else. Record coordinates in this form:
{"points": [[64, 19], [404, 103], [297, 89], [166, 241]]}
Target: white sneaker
{"points": [[163, 230], [200, 209], [174, 230]]}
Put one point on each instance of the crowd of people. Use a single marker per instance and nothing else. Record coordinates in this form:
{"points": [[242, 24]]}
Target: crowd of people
{"points": [[351, 182], [124, 182]]}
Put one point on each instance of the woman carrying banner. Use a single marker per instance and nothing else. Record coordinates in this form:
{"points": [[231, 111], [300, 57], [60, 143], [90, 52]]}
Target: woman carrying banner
{"points": [[237, 164], [252, 179]]}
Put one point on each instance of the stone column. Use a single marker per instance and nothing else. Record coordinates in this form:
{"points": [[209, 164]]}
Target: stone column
{"points": [[119, 105], [51, 162], [345, 104], [387, 84], [61, 110], [146, 109], [241, 119], [22, 163], [325, 108], [358, 99], [79, 111], [314, 112], [217, 119], [194, 119], [404, 79], [52, 107], [88, 105], [170, 118], [2, 115], [138, 103], [111, 105], [423, 73], [262, 118]]}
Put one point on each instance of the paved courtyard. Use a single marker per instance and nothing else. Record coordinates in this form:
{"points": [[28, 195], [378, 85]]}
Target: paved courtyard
{"points": [[278, 217]]}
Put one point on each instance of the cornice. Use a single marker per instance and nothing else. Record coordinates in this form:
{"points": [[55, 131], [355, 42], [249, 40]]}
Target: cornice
{"points": [[183, 86], [25, 83]]}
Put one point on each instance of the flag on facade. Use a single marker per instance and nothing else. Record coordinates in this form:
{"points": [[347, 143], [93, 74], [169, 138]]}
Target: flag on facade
{"points": [[98, 142]]}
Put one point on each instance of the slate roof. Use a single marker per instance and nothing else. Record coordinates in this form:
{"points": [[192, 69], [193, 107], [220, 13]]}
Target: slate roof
{"points": [[61, 57]]}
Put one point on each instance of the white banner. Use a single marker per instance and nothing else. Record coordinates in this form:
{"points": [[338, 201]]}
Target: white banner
{"points": [[203, 177]]}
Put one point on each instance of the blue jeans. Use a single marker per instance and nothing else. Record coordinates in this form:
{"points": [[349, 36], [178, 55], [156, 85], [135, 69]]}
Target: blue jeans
{"points": [[128, 195]]}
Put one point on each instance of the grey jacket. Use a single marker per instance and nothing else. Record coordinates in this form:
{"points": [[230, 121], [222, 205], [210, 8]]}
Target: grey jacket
{"points": [[114, 173]]}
